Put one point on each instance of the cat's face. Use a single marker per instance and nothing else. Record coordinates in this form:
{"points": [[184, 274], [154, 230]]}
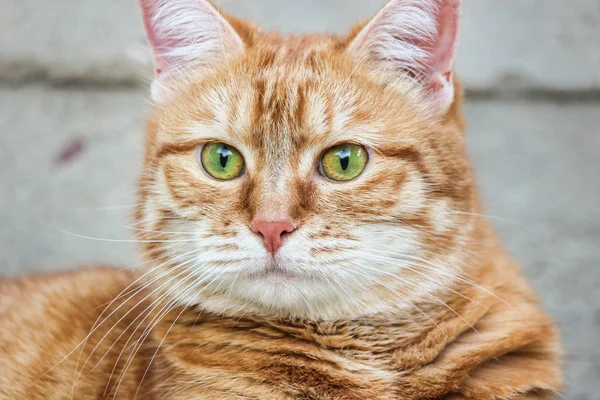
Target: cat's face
{"points": [[300, 176]]}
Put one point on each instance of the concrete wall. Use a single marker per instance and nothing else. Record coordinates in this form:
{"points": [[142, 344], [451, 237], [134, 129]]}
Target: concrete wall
{"points": [[533, 45], [73, 77]]}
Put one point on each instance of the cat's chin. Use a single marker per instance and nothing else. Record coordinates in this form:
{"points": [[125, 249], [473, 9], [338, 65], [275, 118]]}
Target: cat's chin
{"points": [[273, 292], [284, 293], [276, 296], [277, 277], [274, 271]]}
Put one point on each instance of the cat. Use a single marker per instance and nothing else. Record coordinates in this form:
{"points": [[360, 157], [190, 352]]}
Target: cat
{"points": [[312, 230]]}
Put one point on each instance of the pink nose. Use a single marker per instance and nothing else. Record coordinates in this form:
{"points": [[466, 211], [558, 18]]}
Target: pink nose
{"points": [[272, 232]]}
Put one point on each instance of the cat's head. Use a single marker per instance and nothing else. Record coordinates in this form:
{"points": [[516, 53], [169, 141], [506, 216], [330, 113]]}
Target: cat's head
{"points": [[317, 176]]}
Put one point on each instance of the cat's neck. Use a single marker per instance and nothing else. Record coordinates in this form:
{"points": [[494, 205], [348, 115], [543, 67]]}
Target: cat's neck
{"points": [[428, 326]]}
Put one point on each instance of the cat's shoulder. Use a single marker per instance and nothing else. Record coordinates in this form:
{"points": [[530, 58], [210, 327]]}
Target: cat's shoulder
{"points": [[50, 323], [53, 291]]}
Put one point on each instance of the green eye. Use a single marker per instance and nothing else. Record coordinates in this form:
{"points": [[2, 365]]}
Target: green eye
{"points": [[222, 161], [344, 162]]}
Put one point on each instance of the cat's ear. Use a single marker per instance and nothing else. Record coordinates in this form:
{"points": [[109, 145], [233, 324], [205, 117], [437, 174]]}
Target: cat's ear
{"points": [[185, 34], [416, 38]]}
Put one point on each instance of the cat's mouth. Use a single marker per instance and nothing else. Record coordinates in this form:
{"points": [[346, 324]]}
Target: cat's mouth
{"points": [[275, 270]]}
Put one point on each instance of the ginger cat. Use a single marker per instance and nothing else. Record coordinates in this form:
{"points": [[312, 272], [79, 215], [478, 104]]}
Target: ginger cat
{"points": [[311, 227]]}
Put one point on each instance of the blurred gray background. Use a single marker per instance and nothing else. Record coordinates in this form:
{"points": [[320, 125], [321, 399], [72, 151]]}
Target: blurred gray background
{"points": [[73, 84]]}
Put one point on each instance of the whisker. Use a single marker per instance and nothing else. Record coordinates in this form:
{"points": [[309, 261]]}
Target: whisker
{"points": [[435, 298], [94, 327], [354, 299], [183, 309], [430, 278], [410, 303], [151, 231], [155, 303], [464, 280], [134, 307], [424, 291], [114, 240], [440, 270], [140, 288], [144, 313], [105, 208], [484, 216]]}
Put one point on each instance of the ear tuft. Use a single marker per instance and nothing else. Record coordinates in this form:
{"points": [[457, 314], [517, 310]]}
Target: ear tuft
{"points": [[185, 34], [414, 38]]}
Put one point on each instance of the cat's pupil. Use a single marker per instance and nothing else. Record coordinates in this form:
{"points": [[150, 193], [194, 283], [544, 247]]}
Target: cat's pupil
{"points": [[223, 156], [344, 159]]}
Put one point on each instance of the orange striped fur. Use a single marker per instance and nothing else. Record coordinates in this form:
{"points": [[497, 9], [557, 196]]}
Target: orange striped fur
{"points": [[391, 286]]}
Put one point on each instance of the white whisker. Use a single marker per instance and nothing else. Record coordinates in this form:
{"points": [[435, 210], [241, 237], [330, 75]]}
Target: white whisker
{"points": [[409, 303], [105, 208], [195, 285], [114, 240]]}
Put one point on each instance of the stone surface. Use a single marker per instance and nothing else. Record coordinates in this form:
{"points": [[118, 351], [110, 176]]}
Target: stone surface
{"points": [[65, 157], [530, 45], [69, 160]]}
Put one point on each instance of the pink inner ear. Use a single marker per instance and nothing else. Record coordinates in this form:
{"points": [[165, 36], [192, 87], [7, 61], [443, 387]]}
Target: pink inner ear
{"points": [[443, 51], [148, 10], [436, 69]]}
